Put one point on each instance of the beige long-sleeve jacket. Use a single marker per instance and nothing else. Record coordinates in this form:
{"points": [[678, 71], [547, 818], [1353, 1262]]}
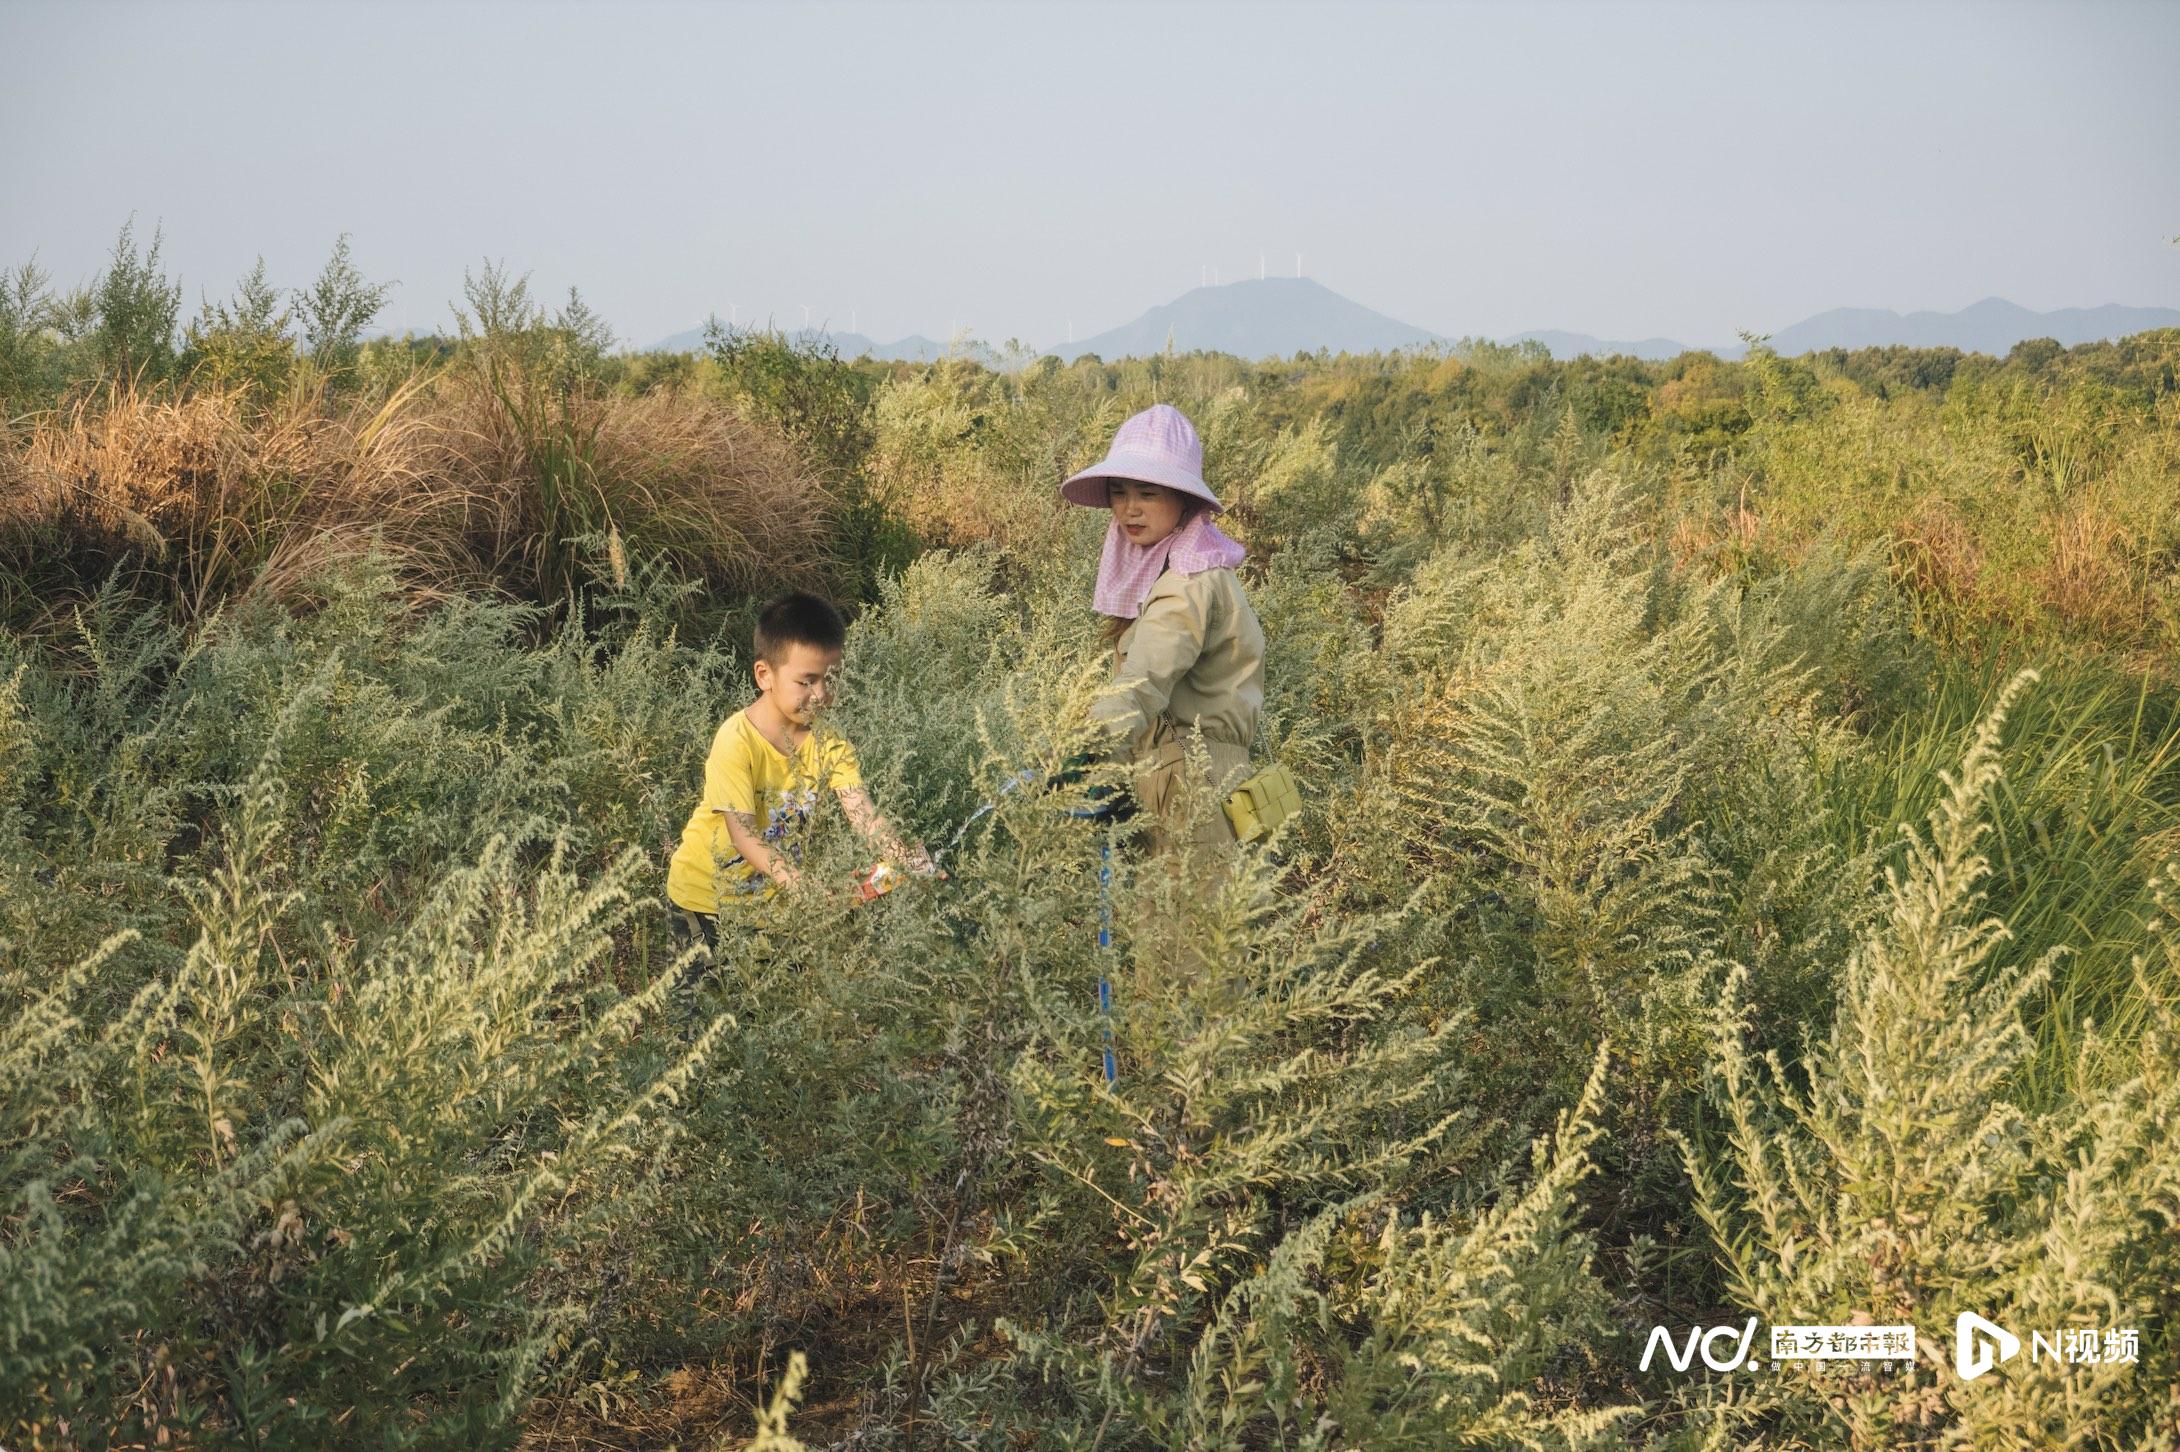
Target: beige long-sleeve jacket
{"points": [[1193, 658]]}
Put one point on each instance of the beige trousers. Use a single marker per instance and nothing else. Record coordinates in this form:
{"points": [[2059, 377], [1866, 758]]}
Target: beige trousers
{"points": [[1161, 788], [1190, 848]]}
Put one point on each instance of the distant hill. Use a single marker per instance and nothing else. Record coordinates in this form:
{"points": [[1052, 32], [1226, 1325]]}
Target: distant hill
{"points": [[386, 334], [915, 348], [1992, 326], [1281, 316], [1260, 318], [1573, 345]]}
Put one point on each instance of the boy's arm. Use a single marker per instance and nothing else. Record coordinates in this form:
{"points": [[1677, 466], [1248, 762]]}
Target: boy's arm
{"points": [[863, 813], [742, 832]]}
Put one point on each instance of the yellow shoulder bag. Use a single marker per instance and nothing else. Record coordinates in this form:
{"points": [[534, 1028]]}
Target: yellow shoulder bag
{"points": [[1262, 803]]}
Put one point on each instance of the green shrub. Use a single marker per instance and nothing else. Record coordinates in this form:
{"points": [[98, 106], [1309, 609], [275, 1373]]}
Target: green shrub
{"points": [[341, 304], [342, 1097], [294, 1185], [133, 307], [1899, 1177], [244, 342]]}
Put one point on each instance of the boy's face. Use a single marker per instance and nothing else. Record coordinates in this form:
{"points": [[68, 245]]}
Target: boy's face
{"points": [[1146, 513], [802, 683]]}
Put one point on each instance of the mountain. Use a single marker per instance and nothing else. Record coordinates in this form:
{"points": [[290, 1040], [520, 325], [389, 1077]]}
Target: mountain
{"points": [[1263, 318], [1992, 326], [386, 333], [1280, 316], [1573, 345], [915, 348]]}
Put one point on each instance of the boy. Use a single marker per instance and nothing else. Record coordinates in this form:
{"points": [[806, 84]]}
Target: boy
{"points": [[762, 775]]}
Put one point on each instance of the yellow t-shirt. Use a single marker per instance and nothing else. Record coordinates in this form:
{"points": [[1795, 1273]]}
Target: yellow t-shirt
{"points": [[746, 773]]}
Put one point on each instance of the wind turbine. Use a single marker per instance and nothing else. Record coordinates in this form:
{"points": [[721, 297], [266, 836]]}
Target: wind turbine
{"points": [[1260, 267], [1297, 264], [806, 317]]}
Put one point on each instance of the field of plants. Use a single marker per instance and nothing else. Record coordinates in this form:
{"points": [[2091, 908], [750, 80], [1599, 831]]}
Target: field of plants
{"points": [[1742, 838]]}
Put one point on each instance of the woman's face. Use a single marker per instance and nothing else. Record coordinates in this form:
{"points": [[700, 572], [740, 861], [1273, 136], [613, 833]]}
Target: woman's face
{"points": [[1146, 513]]}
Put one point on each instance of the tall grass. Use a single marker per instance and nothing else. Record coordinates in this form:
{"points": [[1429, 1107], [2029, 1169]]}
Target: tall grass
{"points": [[1902, 1176], [278, 1192], [672, 476], [342, 1101], [460, 481], [2080, 825]]}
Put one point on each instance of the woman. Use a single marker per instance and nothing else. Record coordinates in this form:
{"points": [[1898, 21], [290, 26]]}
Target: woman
{"points": [[1189, 651]]}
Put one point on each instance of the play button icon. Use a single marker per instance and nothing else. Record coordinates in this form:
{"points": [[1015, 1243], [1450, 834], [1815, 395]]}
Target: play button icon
{"points": [[1979, 1345]]}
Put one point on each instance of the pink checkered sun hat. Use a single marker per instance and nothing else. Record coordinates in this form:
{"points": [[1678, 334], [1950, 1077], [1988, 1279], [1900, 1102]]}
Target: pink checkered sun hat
{"points": [[1157, 446]]}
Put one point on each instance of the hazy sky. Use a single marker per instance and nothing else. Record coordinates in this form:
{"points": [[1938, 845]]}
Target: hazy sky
{"points": [[1624, 170]]}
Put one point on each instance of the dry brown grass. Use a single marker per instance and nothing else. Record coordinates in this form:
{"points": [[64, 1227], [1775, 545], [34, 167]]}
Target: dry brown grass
{"points": [[215, 495], [1728, 542], [1937, 557], [2087, 580], [966, 505], [730, 500]]}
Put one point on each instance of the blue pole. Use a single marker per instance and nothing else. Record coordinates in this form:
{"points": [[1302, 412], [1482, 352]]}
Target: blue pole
{"points": [[1105, 948]]}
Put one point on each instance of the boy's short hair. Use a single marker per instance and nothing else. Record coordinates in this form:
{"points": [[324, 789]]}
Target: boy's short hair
{"points": [[798, 619]]}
